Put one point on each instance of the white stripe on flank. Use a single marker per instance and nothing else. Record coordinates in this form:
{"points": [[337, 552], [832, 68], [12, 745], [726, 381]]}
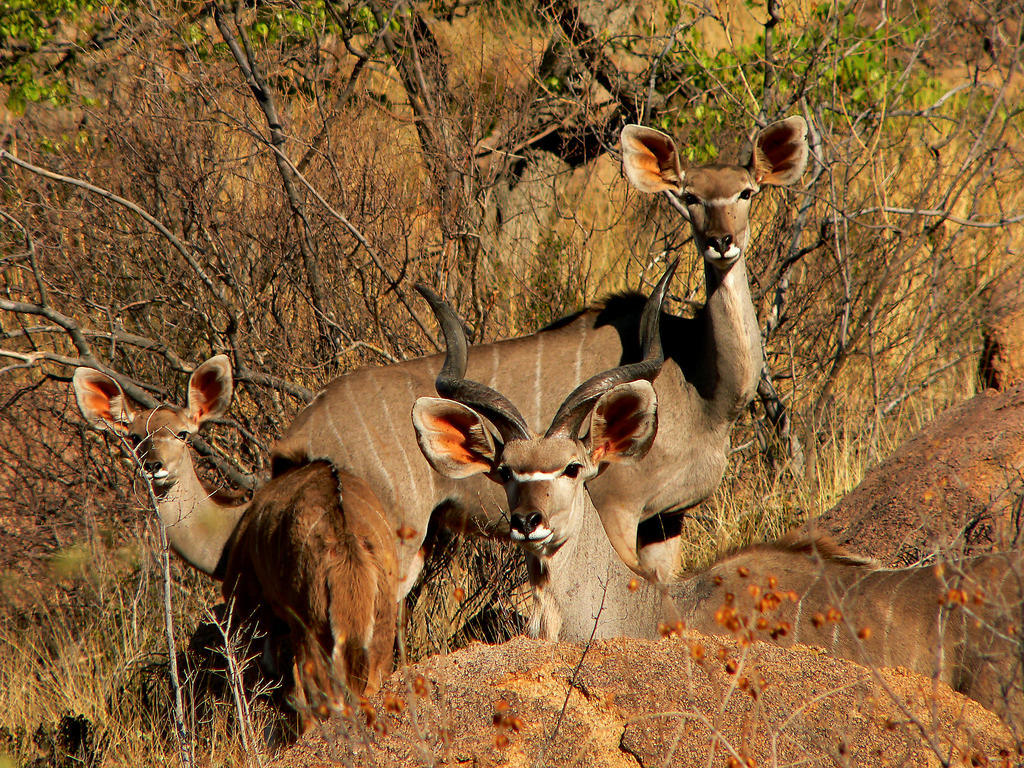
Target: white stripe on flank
{"points": [[532, 477], [398, 439], [537, 385], [341, 450], [367, 439], [579, 356], [495, 359]]}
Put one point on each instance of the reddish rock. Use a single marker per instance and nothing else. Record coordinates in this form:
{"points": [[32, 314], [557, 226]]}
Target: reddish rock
{"points": [[956, 485], [633, 703]]}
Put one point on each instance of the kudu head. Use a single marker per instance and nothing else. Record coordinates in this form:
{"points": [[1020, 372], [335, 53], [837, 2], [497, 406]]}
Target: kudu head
{"points": [[715, 198], [158, 437], [544, 476]]}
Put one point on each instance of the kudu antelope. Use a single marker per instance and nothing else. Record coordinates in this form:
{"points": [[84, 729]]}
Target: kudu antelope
{"points": [[545, 476], [312, 549], [960, 623], [359, 420]]}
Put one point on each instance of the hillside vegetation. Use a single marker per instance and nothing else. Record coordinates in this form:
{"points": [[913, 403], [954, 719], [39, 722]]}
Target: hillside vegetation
{"points": [[179, 179]]}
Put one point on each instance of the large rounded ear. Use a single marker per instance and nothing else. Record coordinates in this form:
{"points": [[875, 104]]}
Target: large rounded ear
{"points": [[650, 160], [624, 423], [780, 152], [209, 390], [453, 437], [101, 400]]}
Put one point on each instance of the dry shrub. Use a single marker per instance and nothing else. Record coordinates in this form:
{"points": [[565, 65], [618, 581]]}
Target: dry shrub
{"points": [[471, 145]]}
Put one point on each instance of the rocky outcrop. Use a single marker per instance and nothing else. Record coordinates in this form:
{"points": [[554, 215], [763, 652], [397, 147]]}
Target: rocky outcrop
{"points": [[684, 701], [956, 485]]}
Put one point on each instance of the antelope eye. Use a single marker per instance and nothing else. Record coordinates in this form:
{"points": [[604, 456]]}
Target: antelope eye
{"points": [[746, 193], [132, 439], [572, 470], [504, 473], [691, 199]]}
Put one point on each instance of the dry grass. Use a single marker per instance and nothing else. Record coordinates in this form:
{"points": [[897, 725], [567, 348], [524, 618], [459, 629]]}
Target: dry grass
{"points": [[881, 320]]}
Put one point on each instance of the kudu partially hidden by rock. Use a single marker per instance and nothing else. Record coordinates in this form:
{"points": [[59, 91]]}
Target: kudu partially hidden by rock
{"points": [[313, 548], [359, 422], [545, 476], [959, 622]]}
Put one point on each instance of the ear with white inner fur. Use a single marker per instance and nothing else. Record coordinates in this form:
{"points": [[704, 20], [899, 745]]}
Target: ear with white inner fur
{"points": [[101, 400], [210, 388], [452, 437], [624, 423], [780, 152], [650, 160]]}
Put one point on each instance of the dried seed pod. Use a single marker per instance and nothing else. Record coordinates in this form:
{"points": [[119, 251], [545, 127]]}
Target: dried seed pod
{"points": [[419, 685]]}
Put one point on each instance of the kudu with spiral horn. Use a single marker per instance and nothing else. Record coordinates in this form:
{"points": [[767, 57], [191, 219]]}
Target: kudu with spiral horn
{"points": [[713, 361], [544, 476]]}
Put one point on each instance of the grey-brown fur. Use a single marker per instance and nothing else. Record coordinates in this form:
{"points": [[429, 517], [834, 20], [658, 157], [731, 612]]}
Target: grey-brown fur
{"points": [[359, 422], [957, 622], [914, 616]]}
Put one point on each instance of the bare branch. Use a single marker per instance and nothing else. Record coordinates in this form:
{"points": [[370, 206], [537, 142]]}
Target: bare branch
{"points": [[179, 246]]}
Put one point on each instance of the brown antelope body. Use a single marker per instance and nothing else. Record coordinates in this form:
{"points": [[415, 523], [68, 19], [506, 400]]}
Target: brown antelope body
{"points": [[313, 547], [316, 550], [957, 622], [359, 422]]}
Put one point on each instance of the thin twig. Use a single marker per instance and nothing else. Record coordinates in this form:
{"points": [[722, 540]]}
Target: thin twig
{"points": [[572, 683], [152, 220], [185, 751]]}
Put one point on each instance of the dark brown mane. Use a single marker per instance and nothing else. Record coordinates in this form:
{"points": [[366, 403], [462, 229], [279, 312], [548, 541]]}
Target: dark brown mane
{"points": [[614, 305]]}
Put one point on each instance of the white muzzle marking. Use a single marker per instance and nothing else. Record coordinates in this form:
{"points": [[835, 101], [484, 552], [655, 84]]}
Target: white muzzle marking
{"points": [[539, 535], [728, 257]]}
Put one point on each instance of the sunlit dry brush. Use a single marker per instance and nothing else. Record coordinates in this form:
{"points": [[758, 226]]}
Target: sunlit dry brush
{"points": [[957, 622], [500, 145]]}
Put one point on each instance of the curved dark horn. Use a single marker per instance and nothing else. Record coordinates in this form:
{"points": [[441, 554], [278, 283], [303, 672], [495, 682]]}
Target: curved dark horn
{"points": [[577, 405], [452, 384]]}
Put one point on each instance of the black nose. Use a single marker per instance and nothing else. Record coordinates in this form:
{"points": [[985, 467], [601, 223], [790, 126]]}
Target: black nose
{"points": [[152, 466], [526, 522], [720, 244]]}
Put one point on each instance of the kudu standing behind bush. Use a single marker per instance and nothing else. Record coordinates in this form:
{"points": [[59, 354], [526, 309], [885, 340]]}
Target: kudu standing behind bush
{"points": [[959, 623], [545, 476], [713, 361], [312, 550]]}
